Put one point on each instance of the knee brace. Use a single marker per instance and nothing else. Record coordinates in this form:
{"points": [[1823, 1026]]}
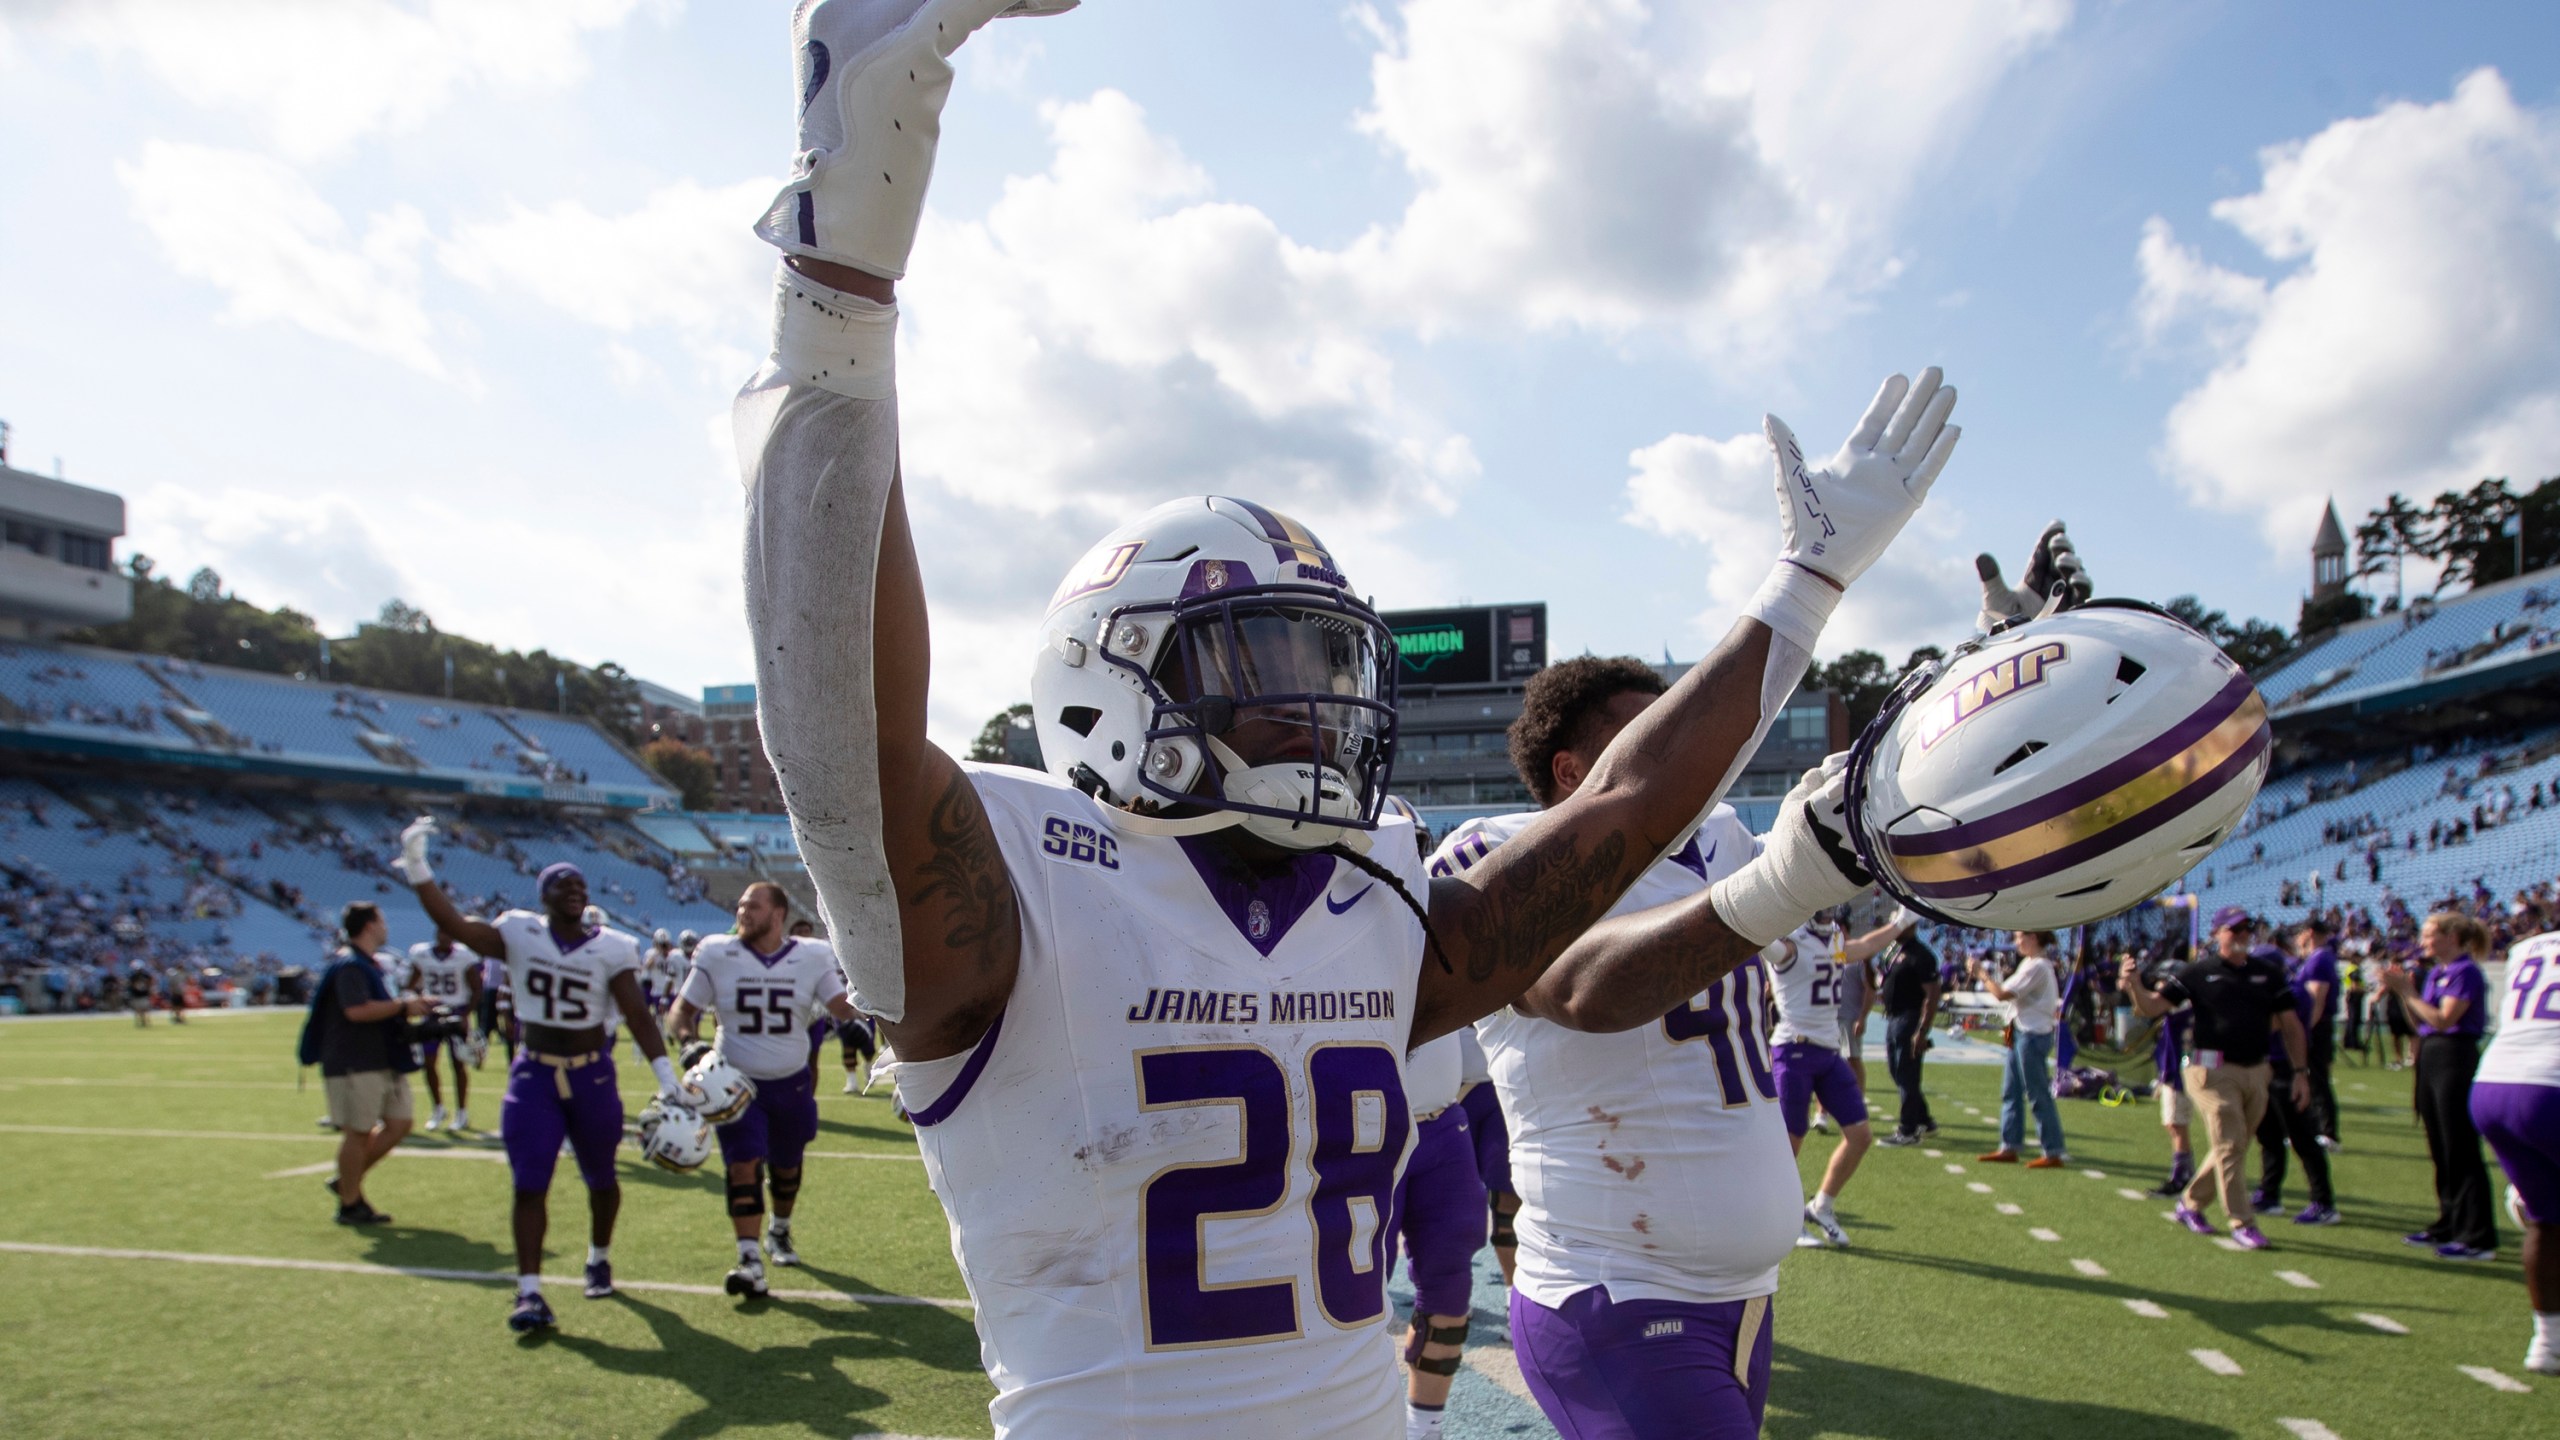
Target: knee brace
{"points": [[1422, 1333], [1503, 1235], [786, 1186], [746, 1199]]}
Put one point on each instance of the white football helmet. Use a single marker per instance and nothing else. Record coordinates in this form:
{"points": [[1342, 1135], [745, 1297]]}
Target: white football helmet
{"points": [[674, 1138], [2057, 771], [725, 1089], [1202, 623]]}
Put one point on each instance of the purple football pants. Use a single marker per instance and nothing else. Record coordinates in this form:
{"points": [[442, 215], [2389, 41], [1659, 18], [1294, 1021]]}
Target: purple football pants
{"points": [[777, 1124], [535, 1117], [1809, 1072], [2522, 1125], [1441, 1216], [1491, 1137], [1646, 1369]]}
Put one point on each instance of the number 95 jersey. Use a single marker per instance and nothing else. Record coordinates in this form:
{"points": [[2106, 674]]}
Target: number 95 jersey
{"points": [[563, 985], [1170, 1163], [760, 1000]]}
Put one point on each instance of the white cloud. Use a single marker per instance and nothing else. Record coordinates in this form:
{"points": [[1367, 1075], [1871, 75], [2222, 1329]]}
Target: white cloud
{"points": [[256, 230], [1736, 173], [1721, 494], [317, 77], [2407, 344], [324, 555]]}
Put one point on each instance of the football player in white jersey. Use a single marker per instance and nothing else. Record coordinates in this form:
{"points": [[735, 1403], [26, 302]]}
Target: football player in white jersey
{"points": [[1151, 1014], [1657, 1191], [660, 971], [564, 975], [447, 972], [1491, 1137], [1806, 969], [2515, 1102], [762, 984]]}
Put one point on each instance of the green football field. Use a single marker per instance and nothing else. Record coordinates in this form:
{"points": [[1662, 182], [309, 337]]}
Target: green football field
{"points": [[167, 1268]]}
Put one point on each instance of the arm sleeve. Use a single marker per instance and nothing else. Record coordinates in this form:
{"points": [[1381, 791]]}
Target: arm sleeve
{"points": [[819, 467]]}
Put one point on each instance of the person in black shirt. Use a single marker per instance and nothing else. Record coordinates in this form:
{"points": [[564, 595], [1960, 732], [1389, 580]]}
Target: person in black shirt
{"points": [[1909, 992], [358, 1029], [2241, 1000]]}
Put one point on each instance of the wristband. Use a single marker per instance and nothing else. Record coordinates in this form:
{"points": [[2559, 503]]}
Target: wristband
{"points": [[1794, 603]]}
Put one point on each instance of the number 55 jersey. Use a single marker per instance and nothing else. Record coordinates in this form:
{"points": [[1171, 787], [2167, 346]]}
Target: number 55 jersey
{"points": [[1651, 1162], [1170, 1163], [762, 1000]]}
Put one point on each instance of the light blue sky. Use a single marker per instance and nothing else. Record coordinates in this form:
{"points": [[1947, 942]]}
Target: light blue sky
{"points": [[445, 300]]}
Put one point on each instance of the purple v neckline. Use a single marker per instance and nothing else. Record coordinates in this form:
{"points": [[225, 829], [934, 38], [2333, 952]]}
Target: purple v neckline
{"points": [[1262, 907]]}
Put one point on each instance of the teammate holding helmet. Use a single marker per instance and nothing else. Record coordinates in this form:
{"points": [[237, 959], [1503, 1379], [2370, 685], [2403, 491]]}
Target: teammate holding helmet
{"points": [[1159, 1090], [763, 984], [561, 1086]]}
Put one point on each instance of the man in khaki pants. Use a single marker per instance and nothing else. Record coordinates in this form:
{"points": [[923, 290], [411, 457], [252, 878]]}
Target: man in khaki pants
{"points": [[2241, 1001], [365, 1057]]}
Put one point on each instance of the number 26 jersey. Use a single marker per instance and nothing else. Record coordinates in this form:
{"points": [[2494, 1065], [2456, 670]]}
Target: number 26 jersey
{"points": [[1170, 1163], [763, 1001], [563, 985]]}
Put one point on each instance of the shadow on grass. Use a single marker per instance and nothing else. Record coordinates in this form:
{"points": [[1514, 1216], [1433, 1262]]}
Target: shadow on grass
{"points": [[415, 1247], [1829, 1396], [799, 1386]]}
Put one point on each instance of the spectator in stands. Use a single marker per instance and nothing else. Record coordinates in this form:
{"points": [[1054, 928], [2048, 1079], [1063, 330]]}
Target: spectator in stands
{"points": [[2033, 995], [357, 1035], [2241, 1002], [2451, 1012]]}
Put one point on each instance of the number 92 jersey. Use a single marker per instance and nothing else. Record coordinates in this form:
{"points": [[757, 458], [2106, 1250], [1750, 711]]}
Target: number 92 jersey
{"points": [[1170, 1163], [762, 1000], [563, 985], [2526, 1049]]}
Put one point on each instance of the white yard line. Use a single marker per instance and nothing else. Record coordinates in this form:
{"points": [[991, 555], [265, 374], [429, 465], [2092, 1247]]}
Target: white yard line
{"points": [[2308, 1429], [288, 1137], [2133, 1195], [2147, 1309], [2495, 1380], [2008, 1208], [492, 1156], [480, 1277], [2215, 1361], [2383, 1323], [2227, 1243], [1977, 1187], [2095, 1174], [1954, 1169], [2041, 1233], [1934, 1154], [2090, 1268], [2297, 1280]]}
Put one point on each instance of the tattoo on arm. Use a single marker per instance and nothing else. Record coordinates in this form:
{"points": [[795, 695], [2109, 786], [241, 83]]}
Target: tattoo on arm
{"points": [[1539, 902], [965, 873]]}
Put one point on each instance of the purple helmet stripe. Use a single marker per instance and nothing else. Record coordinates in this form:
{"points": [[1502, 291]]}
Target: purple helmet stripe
{"points": [[1290, 541]]}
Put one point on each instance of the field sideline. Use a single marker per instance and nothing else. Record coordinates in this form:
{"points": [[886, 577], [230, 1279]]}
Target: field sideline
{"points": [[142, 1175]]}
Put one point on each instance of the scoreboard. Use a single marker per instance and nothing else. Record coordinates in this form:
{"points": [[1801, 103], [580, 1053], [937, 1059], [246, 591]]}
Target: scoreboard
{"points": [[1475, 645]]}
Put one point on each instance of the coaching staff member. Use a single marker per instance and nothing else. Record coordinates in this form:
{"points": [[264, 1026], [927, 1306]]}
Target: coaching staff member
{"points": [[1910, 993], [358, 1035], [2242, 999]]}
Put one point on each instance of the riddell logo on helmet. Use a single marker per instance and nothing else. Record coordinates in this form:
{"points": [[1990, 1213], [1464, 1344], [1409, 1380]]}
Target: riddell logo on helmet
{"points": [[1987, 687]]}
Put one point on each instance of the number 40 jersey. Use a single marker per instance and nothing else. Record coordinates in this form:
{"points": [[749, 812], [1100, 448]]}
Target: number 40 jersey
{"points": [[763, 1001]]}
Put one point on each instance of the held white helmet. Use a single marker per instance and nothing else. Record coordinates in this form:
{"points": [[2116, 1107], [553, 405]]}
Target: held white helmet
{"points": [[2057, 771], [1206, 621], [674, 1138], [725, 1089]]}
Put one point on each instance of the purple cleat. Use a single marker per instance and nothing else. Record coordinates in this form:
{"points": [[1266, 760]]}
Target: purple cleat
{"points": [[2193, 1219], [2459, 1251], [2317, 1215], [2249, 1237]]}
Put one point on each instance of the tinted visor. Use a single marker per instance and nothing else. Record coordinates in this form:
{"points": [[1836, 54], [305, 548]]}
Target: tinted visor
{"points": [[1296, 682]]}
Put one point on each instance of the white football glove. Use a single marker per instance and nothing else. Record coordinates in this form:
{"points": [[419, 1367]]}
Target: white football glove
{"points": [[1840, 517], [673, 1091], [412, 863], [1805, 864], [873, 77], [2052, 567]]}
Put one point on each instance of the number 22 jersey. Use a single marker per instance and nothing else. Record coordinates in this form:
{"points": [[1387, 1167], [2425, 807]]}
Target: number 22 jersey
{"points": [[1170, 1162], [563, 985]]}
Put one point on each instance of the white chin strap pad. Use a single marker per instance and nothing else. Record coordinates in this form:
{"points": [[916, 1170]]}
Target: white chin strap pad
{"points": [[873, 77]]}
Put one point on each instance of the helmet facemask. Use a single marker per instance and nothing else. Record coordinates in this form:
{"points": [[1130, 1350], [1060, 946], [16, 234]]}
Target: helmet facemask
{"points": [[1271, 704]]}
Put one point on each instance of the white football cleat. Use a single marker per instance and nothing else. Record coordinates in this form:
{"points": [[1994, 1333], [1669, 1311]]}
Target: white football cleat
{"points": [[461, 1118], [435, 1118], [852, 1085], [1829, 1224], [777, 1246], [2541, 1359], [747, 1280]]}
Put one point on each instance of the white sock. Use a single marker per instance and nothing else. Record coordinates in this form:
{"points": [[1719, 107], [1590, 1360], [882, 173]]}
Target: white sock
{"points": [[528, 1284], [1821, 1203], [780, 1226], [2546, 1327], [1422, 1422], [599, 1254], [748, 1253]]}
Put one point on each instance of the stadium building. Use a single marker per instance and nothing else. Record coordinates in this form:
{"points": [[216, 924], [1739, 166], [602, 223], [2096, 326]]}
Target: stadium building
{"points": [[1462, 674]]}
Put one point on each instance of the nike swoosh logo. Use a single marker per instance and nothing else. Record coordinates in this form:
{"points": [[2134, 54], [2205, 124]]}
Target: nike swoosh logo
{"points": [[1711, 854], [1347, 904]]}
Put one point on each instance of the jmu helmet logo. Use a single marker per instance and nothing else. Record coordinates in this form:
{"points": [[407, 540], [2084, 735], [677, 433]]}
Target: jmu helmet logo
{"points": [[1257, 921], [1988, 687], [1100, 569]]}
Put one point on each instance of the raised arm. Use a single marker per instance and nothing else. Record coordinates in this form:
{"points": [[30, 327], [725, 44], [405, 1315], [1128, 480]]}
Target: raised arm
{"points": [[1505, 921], [1632, 970], [1868, 946], [481, 936], [906, 867]]}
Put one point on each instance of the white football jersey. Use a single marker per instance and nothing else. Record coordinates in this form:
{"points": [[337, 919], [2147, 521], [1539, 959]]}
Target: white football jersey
{"points": [[443, 977], [2526, 1049], [1809, 988], [1433, 1075], [563, 986], [1652, 1162], [1168, 1163], [763, 1000], [1472, 1066]]}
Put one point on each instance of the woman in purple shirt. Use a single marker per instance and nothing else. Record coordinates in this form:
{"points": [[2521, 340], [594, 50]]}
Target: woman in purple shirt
{"points": [[2450, 1016]]}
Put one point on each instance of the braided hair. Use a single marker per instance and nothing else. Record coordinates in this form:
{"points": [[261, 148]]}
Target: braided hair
{"points": [[1369, 867]]}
